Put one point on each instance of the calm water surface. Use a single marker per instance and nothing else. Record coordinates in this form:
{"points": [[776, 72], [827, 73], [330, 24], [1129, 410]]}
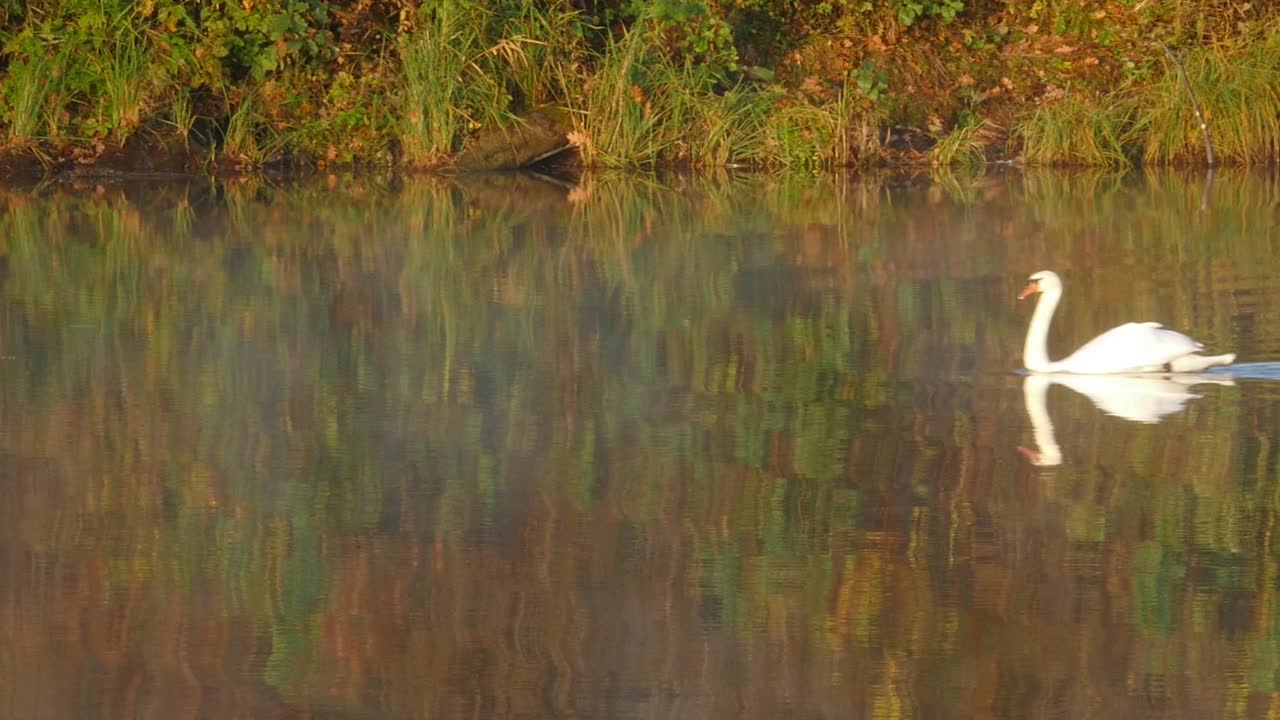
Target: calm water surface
{"points": [[497, 448]]}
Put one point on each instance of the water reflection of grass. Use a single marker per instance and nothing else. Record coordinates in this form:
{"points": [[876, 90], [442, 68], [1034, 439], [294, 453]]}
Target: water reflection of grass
{"points": [[733, 383]]}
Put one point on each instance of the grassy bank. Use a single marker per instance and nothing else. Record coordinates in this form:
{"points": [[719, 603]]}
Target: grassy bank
{"points": [[172, 85]]}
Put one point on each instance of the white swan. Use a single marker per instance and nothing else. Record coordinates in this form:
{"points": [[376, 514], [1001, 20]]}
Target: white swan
{"points": [[1129, 348], [1138, 398]]}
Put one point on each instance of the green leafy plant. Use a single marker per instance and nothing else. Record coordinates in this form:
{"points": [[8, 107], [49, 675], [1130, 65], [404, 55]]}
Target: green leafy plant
{"points": [[259, 39], [911, 11], [871, 83], [692, 31]]}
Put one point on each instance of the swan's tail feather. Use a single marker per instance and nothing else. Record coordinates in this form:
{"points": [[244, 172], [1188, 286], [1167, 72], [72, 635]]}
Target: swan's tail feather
{"points": [[1196, 363]]}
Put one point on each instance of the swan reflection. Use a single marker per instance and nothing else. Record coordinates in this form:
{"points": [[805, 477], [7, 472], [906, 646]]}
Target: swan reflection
{"points": [[1139, 398]]}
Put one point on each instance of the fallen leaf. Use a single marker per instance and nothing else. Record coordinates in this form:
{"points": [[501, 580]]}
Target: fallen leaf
{"points": [[811, 84], [1051, 93]]}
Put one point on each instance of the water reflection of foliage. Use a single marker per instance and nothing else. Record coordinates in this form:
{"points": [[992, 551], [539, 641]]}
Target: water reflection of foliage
{"points": [[380, 420]]}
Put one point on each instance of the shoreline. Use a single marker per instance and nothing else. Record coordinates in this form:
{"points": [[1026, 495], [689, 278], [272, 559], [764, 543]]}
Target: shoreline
{"points": [[466, 85]]}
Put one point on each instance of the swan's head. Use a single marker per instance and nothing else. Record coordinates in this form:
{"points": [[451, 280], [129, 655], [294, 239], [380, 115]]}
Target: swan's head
{"points": [[1041, 282]]}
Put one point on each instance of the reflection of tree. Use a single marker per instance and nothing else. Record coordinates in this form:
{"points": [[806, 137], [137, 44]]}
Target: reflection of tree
{"points": [[428, 450]]}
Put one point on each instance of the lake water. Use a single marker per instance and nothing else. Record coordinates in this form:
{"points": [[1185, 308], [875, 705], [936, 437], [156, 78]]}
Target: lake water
{"points": [[731, 448]]}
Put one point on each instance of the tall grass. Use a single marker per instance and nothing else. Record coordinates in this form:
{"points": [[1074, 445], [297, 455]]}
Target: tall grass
{"points": [[657, 112], [857, 127], [643, 108], [964, 146], [467, 65], [617, 128], [442, 83], [33, 96], [1237, 86], [91, 84], [248, 138], [841, 132], [125, 80], [1075, 131], [645, 97], [1239, 93], [182, 114], [539, 45], [799, 135]]}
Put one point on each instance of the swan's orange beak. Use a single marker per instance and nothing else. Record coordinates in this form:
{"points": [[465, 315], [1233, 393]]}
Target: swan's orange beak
{"points": [[1031, 289]]}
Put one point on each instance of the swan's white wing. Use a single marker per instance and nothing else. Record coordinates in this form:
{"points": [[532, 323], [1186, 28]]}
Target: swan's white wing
{"points": [[1132, 347]]}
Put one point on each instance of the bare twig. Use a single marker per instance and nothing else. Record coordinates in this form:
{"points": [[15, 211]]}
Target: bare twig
{"points": [[1195, 103]]}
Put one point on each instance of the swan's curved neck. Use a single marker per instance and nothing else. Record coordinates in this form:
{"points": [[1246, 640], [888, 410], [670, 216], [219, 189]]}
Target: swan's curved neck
{"points": [[1035, 353]]}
